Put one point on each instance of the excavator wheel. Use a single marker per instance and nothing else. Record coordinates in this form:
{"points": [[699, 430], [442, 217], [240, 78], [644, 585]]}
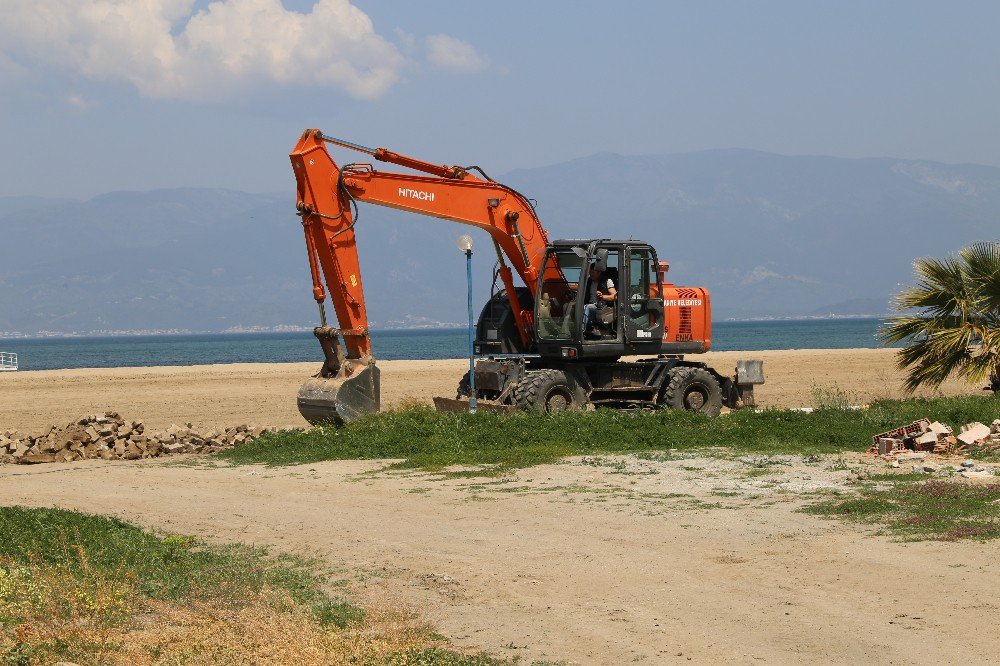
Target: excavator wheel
{"points": [[693, 390], [548, 391]]}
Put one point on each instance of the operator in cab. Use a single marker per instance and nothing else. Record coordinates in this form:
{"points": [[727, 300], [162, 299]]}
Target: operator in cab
{"points": [[601, 293]]}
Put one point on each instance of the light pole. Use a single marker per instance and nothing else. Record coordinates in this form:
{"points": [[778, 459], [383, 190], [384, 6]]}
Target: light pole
{"points": [[465, 245]]}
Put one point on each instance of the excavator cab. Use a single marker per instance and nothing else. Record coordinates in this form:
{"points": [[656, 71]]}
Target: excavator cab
{"points": [[632, 324]]}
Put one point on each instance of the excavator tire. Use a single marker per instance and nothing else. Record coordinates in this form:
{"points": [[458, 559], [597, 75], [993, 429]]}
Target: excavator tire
{"points": [[548, 391], [693, 390]]}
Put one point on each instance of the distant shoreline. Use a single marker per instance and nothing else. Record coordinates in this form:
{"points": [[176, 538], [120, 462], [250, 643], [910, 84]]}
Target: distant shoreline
{"points": [[124, 334], [825, 318], [119, 335]]}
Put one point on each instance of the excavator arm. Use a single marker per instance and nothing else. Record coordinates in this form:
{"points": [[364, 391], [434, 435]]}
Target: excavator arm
{"points": [[348, 383]]}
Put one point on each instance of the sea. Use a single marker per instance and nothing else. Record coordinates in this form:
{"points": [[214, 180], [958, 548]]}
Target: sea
{"points": [[198, 349]]}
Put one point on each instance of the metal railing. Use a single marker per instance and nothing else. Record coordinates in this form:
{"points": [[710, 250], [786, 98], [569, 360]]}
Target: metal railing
{"points": [[8, 361]]}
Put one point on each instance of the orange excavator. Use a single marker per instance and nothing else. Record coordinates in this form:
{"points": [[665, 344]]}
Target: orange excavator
{"points": [[553, 342]]}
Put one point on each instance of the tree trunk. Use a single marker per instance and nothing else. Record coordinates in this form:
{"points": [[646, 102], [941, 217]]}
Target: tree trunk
{"points": [[995, 382]]}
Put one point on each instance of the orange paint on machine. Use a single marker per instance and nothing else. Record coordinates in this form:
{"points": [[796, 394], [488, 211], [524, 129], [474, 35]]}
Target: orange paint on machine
{"points": [[554, 332]]}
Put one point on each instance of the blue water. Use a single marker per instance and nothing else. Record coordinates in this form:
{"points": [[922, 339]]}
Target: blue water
{"points": [[111, 352], [801, 334]]}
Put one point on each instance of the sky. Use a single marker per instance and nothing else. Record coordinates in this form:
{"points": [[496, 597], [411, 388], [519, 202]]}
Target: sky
{"points": [[106, 95]]}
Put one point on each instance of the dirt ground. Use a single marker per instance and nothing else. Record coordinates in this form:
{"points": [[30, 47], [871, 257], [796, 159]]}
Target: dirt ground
{"points": [[592, 561], [223, 395], [610, 560]]}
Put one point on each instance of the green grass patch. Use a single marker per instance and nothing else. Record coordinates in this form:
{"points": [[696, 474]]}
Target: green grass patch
{"points": [[427, 440], [437, 656], [168, 567], [920, 509], [96, 590]]}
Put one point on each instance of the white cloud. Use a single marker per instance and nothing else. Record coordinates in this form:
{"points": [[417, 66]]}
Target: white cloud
{"points": [[454, 55], [78, 102], [406, 39], [761, 273], [8, 68], [165, 50]]}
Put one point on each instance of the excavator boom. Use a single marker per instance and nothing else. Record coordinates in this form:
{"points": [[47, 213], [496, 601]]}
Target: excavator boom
{"points": [[347, 384]]}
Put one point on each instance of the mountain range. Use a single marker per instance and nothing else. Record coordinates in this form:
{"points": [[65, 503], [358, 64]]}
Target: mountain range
{"points": [[771, 236]]}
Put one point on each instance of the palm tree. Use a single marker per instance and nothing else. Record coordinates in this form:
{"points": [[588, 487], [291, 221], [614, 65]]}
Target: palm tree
{"points": [[955, 328]]}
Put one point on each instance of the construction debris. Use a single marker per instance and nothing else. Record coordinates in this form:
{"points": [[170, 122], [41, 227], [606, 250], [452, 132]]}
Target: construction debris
{"points": [[913, 441], [921, 435], [980, 474], [974, 432], [910, 455], [109, 437]]}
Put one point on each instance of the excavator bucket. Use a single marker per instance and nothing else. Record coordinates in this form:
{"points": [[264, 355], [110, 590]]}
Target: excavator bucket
{"points": [[342, 398], [344, 389]]}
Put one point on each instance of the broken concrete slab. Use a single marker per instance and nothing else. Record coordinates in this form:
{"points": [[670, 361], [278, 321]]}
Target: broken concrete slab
{"points": [[927, 439], [939, 428], [973, 432], [911, 455]]}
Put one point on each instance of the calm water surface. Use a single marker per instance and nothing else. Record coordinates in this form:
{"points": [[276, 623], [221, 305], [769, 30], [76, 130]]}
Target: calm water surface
{"points": [[112, 352]]}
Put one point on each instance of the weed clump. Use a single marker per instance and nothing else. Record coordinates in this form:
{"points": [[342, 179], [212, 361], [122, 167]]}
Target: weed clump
{"points": [[496, 443], [96, 590], [917, 510]]}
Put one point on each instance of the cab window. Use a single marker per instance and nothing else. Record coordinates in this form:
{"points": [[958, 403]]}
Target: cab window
{"points": [[561, 274]]}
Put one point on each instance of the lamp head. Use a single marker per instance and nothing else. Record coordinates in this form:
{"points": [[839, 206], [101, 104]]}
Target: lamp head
{"points": [[464, 243]]}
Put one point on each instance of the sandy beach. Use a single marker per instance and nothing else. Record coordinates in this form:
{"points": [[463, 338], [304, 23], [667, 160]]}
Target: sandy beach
{"points": [[264, 393]]}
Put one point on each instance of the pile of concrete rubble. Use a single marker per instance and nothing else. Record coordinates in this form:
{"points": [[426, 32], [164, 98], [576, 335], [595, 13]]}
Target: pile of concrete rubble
{"points": [[110, 437], [925, 436]]}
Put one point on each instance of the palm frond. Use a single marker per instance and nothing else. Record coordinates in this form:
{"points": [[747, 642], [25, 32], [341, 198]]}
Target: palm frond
{"points": [[940, 288], [913, 327], [956, 330], [980, 367], [982, 262]]}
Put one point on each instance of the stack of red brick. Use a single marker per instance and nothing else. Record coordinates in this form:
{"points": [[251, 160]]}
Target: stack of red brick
{"points": [[936, 437]]}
